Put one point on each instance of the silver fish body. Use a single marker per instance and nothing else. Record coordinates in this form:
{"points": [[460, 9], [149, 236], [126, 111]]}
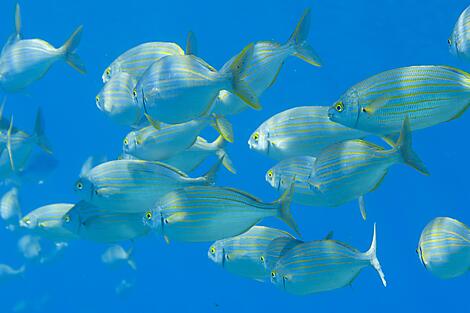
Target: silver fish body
{"points": [[459, 40]]}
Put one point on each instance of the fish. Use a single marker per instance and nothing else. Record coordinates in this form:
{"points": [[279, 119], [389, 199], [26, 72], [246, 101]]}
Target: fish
{"points": [[180, 88], [116, 101], [30, 246], [104, 225], [10, 209], [262, 69], [298, 171], [135, 61], [117, 254], [133, 186], [323, 265], [25, 61], [244, 255], [46, 221], [170, 140], [190, 159], [228, 104], [427, 95], [299, 131], [459, 39], [275, 250], [123, 287], [57, 250], [209, 213], [7, 272], [444, 247], [351, 169], [37, 169]]}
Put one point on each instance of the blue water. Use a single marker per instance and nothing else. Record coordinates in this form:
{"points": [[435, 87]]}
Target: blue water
{"points": [[356, 39]]}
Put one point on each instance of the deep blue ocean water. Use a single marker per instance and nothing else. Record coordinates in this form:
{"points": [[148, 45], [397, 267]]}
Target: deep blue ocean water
{"points": [[356, 39]]}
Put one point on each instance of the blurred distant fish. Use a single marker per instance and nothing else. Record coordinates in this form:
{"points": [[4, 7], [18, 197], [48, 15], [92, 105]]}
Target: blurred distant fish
{"points": [[7, 272], [30, 246], [151, 144], [181, 88], [188, 160], [104, 225], [24, 61], [54, 253], [46, 221], [245, 254], [348, 170], [208, 213], [38, 168], [136, 60], [116, 100], [444, 247], [428, 95], [133, 186], [123, 287], [262, 69], [459, 40], [322, 265], [10, 209], [117, 254], [298, 132]]}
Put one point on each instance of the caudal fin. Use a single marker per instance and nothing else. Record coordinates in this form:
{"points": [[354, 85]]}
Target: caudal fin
{"points": [[240, 87], [210, 176], [41, 139], [298, 40], [223, 155], [371, 254], [404, 147], [69, 50], [284, 211]]}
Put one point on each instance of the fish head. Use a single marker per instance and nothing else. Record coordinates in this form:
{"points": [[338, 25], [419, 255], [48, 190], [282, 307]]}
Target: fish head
{"points": [[259, 140], [346, 110], [131, 143], [153, 219], [85, 188], [30, 221], [216, 253], [452, 43], [107, 74], [419, 251], [278, 278], [273, 178], [72, 220]]}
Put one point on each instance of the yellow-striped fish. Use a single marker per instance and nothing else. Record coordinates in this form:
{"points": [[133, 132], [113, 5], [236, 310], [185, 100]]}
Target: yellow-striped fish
{"points": [[24, 61], [427, 95], [208, 213], [299, 131], [323, 265], [459, 40], [444, 247], [10, 210]]}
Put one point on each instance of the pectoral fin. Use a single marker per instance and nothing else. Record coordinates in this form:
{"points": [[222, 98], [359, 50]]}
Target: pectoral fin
{"points": [[362, 207], [375, 105]]}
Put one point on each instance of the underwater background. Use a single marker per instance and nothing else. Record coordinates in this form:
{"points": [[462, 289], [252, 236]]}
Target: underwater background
{"points": [[355, 39]]}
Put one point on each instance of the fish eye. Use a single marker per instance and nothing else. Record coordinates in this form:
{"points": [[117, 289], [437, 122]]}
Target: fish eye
{"points": [[270, 174], [27, 220], [212, 250], [339, 106], [108, 71], [227, 257], [165, 221], [97, 99], [134, 92], [126, 141], [255, 136], [273, 274], [262, 259], [148, 215], [449, 41], [79, 186], [67, 219]]}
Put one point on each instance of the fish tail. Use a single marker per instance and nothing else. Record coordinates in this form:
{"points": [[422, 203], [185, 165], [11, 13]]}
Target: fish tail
{"points": [[403, 145], [39, 133], [210, 176], [239, 86], [371, 255], [223, 127], [69, 50], [285, 212], [132, 264], [298, 40], [223, 155]]}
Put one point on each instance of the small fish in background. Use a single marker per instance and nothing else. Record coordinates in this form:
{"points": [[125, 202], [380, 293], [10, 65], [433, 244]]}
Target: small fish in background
{"points": [[209, 213], [116, 101], [170, 140], [117, 254], [459, 40], [190, 159], [427, 95], [444, 247], [137, 60], [7, 272], [47, 221], [133, 186], [349, 170], [24, 61], [172, 82], [262, 68], [37, 170], [323, 265], [89, 222], [30, 246], [10, 209], [124, 287], [57, 251], [299, 131], [245, 255]]}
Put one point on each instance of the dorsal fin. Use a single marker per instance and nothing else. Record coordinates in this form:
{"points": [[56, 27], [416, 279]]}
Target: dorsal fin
{"points": [[191, 43]]}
